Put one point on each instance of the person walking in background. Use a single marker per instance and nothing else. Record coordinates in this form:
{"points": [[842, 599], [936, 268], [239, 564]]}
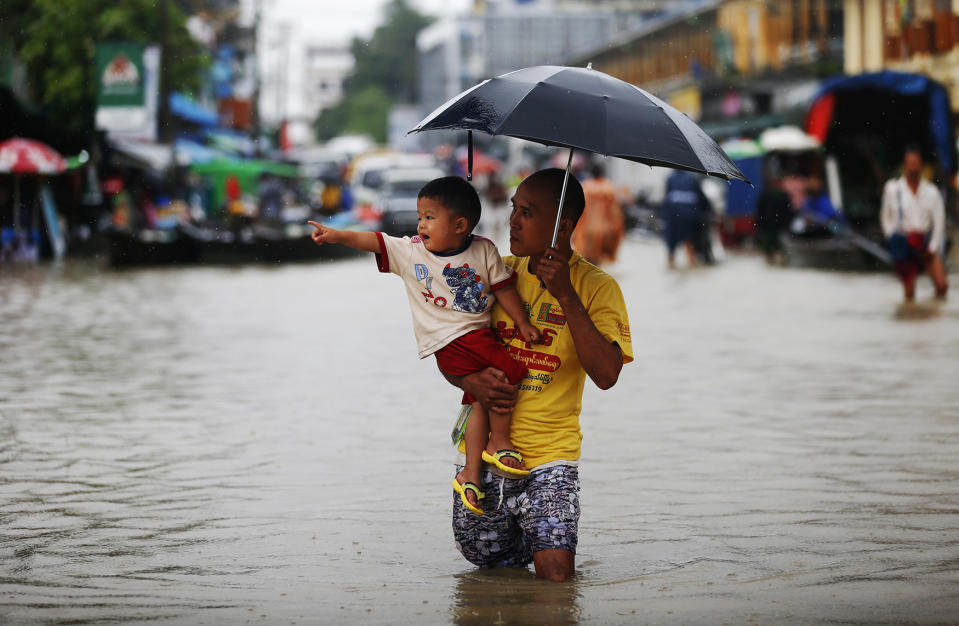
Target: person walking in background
{"points": [[270, 201], [703, 241], [496, 209], [682, 214], [773, 213], [600, 230], [913, 220]]}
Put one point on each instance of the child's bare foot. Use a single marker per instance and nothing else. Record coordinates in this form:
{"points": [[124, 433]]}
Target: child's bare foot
{"points": [[503, 443], [503, 455], [468, 477], [464, 485]]}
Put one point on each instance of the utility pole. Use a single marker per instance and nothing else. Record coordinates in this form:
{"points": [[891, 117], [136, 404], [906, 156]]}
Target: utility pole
{"points": [[164, 126], [285, 33], [256, 121], [282, 70], [164, 116]]}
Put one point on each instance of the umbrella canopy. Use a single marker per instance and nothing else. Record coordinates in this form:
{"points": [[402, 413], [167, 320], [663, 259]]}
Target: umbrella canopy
{"points": [[25, 156], [584, 109]]}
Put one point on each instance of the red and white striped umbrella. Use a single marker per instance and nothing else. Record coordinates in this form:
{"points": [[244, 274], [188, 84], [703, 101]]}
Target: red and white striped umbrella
{"points": [[25, 156]]}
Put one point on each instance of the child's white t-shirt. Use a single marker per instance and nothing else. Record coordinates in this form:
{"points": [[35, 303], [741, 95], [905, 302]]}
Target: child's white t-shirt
{"points": [[450, 295]]}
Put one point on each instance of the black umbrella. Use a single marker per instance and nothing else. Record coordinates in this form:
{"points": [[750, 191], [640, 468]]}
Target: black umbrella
{"points": [[583, 109]]}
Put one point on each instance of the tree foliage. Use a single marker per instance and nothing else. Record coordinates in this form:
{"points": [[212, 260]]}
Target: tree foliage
{"points": [[56, 41], [364, 112], [384, 74]]}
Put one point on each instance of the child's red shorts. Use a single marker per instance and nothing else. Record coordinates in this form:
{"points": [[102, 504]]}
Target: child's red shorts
{"points": [[474, 351]]}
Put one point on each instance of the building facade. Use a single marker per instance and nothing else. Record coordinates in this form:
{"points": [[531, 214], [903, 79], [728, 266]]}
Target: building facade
{"points": [[920, 36], [326, 67], [456, 53], [736, 66]]}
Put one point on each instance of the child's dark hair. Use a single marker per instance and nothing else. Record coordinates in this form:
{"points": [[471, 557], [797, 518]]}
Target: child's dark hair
{"points": [[456, 195]]}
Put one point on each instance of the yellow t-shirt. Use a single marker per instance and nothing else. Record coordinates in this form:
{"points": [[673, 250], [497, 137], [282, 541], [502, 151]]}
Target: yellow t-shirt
{"points": [[545, 424]]}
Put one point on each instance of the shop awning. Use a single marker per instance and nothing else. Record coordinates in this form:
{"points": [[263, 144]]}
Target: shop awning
{"points": [[146, 155], [192, 111]]}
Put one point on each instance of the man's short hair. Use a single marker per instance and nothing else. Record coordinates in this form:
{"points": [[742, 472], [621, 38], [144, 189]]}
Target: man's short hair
{"points": [[912, 147], [456, 195], [552, 178]]}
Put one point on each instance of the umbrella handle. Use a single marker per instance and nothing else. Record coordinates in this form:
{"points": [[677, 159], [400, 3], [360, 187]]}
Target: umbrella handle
{"points": [[469, 155], [562, 197]]}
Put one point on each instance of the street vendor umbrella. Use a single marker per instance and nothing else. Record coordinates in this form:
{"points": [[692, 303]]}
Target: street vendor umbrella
{"points": [[26, 156], [583, 109]]}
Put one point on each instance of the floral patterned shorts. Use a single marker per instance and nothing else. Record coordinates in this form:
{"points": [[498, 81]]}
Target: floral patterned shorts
{"points": [[521, 516]]}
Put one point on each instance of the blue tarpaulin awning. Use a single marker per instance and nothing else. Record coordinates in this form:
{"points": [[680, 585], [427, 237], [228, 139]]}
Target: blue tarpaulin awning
{"points": [[197, 152], [938, 112], [192, 111]]}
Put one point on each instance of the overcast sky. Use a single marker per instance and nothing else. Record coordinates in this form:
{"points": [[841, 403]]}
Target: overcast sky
{"points": [[340, 20], [287, 26]]}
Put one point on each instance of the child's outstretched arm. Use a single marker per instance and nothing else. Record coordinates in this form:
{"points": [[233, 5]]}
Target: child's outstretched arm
{"points": [[360, 240], [509, 299]]}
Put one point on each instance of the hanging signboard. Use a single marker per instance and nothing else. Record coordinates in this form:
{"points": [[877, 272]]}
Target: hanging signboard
{"points": [[127, 78]]}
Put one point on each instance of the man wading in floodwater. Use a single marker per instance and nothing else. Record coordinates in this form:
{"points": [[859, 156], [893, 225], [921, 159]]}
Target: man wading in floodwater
{"points": [[580, 311], [913, 219]]}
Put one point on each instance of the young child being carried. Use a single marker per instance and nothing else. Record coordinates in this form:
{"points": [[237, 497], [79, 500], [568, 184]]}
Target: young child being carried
{"points": [[451, 277]]}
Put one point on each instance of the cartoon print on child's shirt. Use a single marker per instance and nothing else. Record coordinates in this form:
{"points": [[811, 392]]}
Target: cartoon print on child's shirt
{"points": [[466, 287], [423, 275]]}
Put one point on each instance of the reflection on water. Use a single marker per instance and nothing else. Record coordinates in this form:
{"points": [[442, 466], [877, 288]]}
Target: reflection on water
{"points": [[261, 444], [513, 596]]}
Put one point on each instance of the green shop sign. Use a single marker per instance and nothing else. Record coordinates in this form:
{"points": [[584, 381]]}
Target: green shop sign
{"points": [[120, 75]]}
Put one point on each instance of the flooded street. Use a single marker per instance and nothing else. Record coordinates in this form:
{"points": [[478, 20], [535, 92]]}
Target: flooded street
{"points": [[261, 445]]}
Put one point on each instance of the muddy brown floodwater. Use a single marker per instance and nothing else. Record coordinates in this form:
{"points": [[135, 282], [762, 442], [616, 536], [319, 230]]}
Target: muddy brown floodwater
{"points": [[261, 445]]}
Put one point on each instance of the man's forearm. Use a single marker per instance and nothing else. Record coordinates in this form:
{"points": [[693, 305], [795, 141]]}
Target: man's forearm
{"points": [[601, 359], [489, 386]]}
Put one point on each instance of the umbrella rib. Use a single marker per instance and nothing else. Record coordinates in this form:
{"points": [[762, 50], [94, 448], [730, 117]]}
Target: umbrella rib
{"points": [[678, 128], [435, 113], [516, 106]]}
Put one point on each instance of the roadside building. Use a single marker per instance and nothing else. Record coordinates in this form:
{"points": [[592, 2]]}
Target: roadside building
{"points": [[458, 52], [918, 36], [327, 66], [736, 66]]}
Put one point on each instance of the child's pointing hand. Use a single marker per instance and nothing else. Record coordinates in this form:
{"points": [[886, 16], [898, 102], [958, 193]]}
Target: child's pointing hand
{"points": [[322, 234]]}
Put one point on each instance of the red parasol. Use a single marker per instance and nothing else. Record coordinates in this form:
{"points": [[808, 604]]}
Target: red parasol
{"points": [[25, 156]]}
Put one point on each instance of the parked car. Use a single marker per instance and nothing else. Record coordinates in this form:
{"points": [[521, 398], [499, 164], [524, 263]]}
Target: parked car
{"points": [[397, 199], [366, 171]]}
